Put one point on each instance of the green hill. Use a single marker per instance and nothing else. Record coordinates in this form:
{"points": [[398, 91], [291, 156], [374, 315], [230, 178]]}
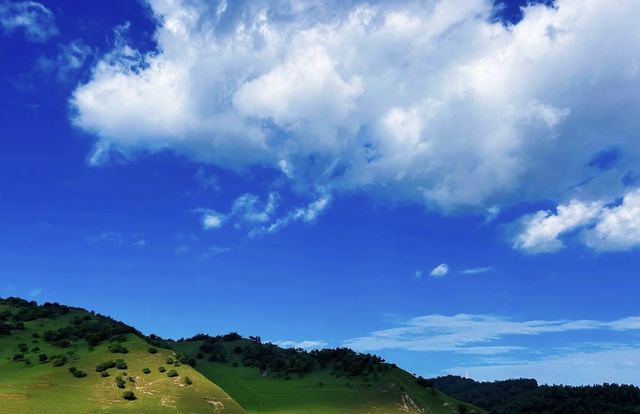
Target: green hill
{"points": [[58, 359], [264, 378]]}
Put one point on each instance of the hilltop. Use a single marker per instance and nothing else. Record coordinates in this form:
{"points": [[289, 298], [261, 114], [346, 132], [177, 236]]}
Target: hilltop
{"points": [[60, 359]]}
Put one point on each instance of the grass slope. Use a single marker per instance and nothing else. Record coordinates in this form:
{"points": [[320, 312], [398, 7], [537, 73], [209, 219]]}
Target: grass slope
{"points": [[44, 388], [319, 392]]}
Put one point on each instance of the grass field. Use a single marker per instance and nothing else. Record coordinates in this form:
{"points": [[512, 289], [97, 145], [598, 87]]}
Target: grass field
{"points": [[320, 392], [42, 388]]}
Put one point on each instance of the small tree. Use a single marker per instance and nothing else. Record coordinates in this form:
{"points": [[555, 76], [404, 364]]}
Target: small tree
{"points": [[188, 381], [153, 350], [146, 371], [42, 358], [172, 373], [120, 382], [129, 395], [161, 369]]}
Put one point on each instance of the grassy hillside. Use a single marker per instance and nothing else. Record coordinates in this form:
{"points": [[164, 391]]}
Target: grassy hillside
{"points": [[30, 386], [55, 359], [379, 388]]}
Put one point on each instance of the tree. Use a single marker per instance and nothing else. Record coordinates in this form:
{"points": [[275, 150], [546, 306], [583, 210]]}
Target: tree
{"points": [[146, 371], [161, 369], [188, 381], [172, 373], [120, 382], [42, 358], [129, 395], [153, 350]]}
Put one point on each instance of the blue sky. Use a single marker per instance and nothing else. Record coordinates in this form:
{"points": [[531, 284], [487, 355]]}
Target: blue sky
{"points": [[451, 185]]}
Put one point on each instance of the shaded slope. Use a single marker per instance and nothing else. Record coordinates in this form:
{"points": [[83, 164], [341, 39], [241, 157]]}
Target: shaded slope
{"points": [[320, 390]]}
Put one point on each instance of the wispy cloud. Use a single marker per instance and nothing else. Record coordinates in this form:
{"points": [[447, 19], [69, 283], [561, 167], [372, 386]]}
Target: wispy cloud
{"points": [[33, 293], [474, 334], [476, 270], [32, 18], [618, 364], [118, 238], [259, 216]]}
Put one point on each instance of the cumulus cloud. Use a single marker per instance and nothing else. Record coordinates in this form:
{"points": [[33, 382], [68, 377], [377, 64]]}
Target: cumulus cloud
{"points": [[33, 19], [432, 102], [600, 226], [618, 227], [440, 270], [540, 231], [473, 334]]}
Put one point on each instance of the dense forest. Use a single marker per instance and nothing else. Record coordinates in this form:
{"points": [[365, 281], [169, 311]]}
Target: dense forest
{"points": [[525, 396], [286, 362]]}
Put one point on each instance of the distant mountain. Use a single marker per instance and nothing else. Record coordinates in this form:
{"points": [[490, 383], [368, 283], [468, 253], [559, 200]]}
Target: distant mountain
{"points": [[59, 359], [525, 396]]}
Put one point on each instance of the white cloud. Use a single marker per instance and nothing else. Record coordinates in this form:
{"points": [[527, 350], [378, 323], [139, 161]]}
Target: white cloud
{"points": [[540, 231], [429, 102], [440, 270], [32, 18], [618, 227], [476, 270], [601, 227], [212, 220], [473, 334], [306, 344]]}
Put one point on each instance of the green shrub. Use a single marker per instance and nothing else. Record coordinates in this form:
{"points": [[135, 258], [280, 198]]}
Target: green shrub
{"points": [[79, 373], [42, 358], [162, 369], [35, 349], [172, 373], [118, 349], [120, 382], [188, 381], [103, 366], [128, 395], [59, 360], [104, 374], [18, 357], [120, 364], [169, 361], [153, 350], [146, 371]]}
